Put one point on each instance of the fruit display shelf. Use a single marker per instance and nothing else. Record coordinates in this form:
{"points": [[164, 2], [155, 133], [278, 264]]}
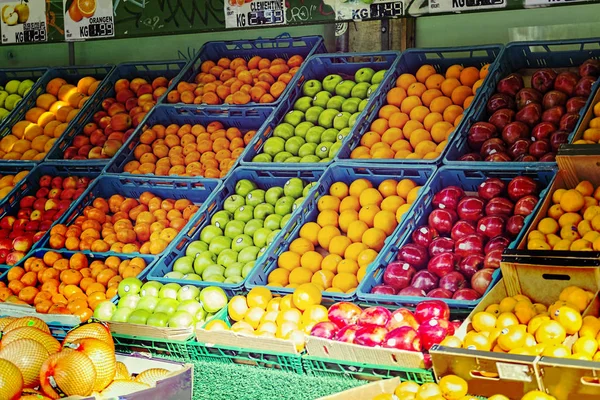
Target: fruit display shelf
{"points": [[470, 181], [245, 119], [283, 47], [21, 74], [13, 168], [197, 191], [410, 61], [318, 67], [129, 71], [524, 58], [47, 211], [264, 179], [344, 173], [71, 75]]}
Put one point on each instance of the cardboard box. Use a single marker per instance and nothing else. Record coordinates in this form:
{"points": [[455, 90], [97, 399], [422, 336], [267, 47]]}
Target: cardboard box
{"points": [[489, 373], [365, 392], [145, 331], [178, 385], [572, 170]]}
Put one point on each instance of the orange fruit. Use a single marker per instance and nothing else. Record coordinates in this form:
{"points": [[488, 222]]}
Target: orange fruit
{"points": [[326, 234], [374, 238], [345, 281], [424, 72], [310, 231], [453, 387]]}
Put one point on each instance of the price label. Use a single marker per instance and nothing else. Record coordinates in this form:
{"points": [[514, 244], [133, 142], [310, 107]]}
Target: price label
{"points": [[23, 21], [254, 13], [88, 19], [358, 10], [541, 3], [440, 6]]}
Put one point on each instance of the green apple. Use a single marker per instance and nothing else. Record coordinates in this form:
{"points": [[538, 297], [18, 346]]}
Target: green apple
{"points": [[260, 236], [105, 310], [174, 275], [311, 158], [272, 221], [213, 299], [130, 300], [284, 205], [298, 203], [334, 149], [263, 210], [273, 194], [3, 96], [274, 145], [129, 285], [312, 114], [281, 157], [323, 149], [331, 81], [262, 157], [311, 88], [326, 118], [343, 133], [12, 87], [138, 317], [25, 86], [234, 269], [330, 135], [219, 244], [208, 233], [243, 187], [190, 304], [221, 218], [169, 291], [303, 103], [241, 242], [150, 289], [201, 316], [363, 105], [308, 188], [302, 128], [211, 271], [292, 145], [234, 228], [203, 260], [248, 254], [185, 264], [166, 306], [293, 188], [284, 131], [352, 119], [253, 225], [378, 76], [293, 159], [285, 220], [3, 113], [336, 103], [326, 159], [294, 117], [121, 314], [372, 89], [244, 213], [351, 105], [234, 202], [314, 134], [307, 149], [158, 320], [188, 292], [364, 75], [255, 197], [191, 277], [321, 99], [11, 101], [228, 256], [341, 120], [147, 303], [196, 247], [272, 236], [214, 278], [233, 279], [344, 89], [360, 90], [248, 267]]}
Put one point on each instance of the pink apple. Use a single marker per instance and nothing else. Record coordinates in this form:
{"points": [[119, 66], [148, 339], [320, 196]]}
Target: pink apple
{"points": [[403, 338], [374, 316], [344, 313]]}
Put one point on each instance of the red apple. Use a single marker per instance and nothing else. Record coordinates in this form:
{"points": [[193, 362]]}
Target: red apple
{"points": [[384, 290], [448, 197], [370, 336], [502, 117], [500, 206], [543, 79], [3, 255], [45, 181], [584, 86], [24, 213], [511, 84], [441, 245], [442, 220], [414, 255], [26, 202], [553, 115], [479, 133], [515, 224], [439, 293], [471, 244], [5, 244], [490, 226], [568, 122], [424, 281], [470, 157], [531, 114], [344, 313], [574, 104], [402, 317], [519, 149], [57, 182], [35, 215], [453, 281], [462, 229], [424, 235], [14, 257], [398, 274], [514, 131], [67, 194], [499, 101], [481, 281], [566, 82], [8, 221], [543, 130], [526, 96], [525, 205], [498, 157], [497, 242], [22, 243], [42, 193], [494, 257], [470, 208], [490, 188], [347, 333], [491, 147], [39, 204], [54, 193], [470, 264], [521, 186], [374, 316], [324, 329], [403, 338], [431, 309], [590, 67], [441, 264]]}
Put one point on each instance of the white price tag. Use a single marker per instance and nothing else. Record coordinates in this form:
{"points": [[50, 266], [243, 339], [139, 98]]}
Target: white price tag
{"points": [[254, 13], [537, 3], [357, 10], [88, 19], [440, 6], [23, 21]]}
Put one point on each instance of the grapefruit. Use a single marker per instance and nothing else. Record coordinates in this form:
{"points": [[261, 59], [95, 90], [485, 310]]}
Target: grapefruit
{"points": [[52, 345], [151, 376], [121, 372], [94, 330], [27, 321], [122, 388], [11, 380], [71, 373], [101, 354], [4, 322], [27, 355]]}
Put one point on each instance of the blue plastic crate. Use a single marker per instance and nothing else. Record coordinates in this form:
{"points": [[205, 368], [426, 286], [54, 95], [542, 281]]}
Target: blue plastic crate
{"points": [[282, 46], [72, 75], [318, 67], [12, 168], [515, 57], [245, 119], [347, 173], [410, 61], [197, 191], [264, 179], [20, 74], [469, 180], [146, 70]]}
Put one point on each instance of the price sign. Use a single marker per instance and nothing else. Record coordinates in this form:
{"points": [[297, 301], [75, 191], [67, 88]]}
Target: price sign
{"points": [[440, 6], [368, 9], [23, 21], [254, 13], [88, 19], [541, 3]]}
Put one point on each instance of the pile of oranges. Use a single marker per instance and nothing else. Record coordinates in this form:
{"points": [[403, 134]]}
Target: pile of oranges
{"points": [[125, 225], [74, 285], [33, 137], [8, 182], [188, 150], [572, 222], [353, 223], [421, 113], [518, 326], [290, 317], [592, 134], [237, 81]]}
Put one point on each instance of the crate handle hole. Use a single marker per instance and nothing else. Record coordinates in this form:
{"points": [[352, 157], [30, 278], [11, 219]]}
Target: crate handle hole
{"points": [[556, 277], [590, 380], [491, 376], [326, 350]]}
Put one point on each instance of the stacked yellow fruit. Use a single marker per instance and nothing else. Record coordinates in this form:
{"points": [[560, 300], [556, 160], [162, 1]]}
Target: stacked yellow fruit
{"points": [[592, 134]]}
